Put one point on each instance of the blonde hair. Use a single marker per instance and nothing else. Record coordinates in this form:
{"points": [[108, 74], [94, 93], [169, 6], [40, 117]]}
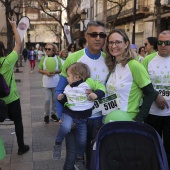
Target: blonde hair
{"points": [[60, 54], [55, 48], [80, 69], [127, 55]]}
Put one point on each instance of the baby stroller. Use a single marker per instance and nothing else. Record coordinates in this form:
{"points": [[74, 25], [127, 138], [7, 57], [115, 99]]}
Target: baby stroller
{"points": [[128, 145]]}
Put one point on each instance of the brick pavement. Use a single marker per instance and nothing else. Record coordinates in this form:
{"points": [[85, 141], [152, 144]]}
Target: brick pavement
{"points": [[37, 135]]}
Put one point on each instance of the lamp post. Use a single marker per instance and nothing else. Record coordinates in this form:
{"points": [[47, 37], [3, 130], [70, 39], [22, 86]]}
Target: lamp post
{"points": [[158, 18], [83, 18], [28, 38], [134, 22]]}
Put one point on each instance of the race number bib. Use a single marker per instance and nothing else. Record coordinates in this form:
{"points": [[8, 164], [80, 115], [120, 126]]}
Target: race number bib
{"points": [[164, 91], [106, 104]]}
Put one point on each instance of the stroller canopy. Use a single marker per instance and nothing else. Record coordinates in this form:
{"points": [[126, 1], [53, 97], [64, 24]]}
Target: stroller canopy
{"points": [[128, 146]]}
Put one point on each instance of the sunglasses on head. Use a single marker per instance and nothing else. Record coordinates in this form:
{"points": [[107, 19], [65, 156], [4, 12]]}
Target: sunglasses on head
{"points": [[95, 34], [48, 49], [166, 43]]}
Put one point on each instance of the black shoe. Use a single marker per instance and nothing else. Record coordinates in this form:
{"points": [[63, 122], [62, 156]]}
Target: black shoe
{"points": [[23, 150], [46, 119], [54, 118]]}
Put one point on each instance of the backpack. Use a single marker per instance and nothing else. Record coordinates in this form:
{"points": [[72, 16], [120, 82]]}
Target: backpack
{"points": [[4, 91], [3, 110], [4, 88]]}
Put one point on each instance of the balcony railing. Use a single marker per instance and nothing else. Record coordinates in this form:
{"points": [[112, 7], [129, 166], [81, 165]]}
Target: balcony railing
{"points": [[112, 13]]}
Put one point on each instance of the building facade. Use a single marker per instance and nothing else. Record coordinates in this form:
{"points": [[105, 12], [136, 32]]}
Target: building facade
{"points": [[150, 17]]}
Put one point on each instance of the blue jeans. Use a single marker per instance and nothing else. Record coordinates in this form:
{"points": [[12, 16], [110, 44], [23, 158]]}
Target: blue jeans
{"points": [[49, 93], [70, 141], [93, 125], [81, 132]]}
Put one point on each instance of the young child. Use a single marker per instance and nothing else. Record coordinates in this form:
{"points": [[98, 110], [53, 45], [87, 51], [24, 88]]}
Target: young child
{"points": [[77, 107]]}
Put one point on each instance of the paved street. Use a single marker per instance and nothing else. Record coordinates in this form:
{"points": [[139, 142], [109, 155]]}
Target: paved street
{"points": [[37, 135]]}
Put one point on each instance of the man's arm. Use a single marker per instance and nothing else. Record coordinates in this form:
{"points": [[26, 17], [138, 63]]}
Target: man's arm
{"points": [[59, 89]]}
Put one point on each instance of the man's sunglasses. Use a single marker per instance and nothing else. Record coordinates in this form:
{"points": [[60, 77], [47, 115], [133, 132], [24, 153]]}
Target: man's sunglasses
{"points": [[166, 43], [48, 49], [94, 35]]}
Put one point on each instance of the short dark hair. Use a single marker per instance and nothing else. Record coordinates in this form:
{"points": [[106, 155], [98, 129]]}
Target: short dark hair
{"points": [[95, 23], [82, 41], [140, 49], [153, 41]]}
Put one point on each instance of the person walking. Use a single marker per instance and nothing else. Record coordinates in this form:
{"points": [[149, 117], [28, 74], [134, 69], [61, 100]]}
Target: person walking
{"points": [[128, 80], [12, 100], [71, 48], [63, 55], [94, 58], [141, 54], [158, 67], [40, 53], [24, 54], [50, 81], [32, 58]]}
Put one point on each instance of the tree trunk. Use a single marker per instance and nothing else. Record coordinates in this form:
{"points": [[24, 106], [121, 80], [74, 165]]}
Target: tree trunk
{"points": [[9, 29]]}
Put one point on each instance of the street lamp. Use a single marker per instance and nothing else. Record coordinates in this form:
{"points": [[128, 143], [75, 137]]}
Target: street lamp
{"points": [[158, 20], [83, 18], [28, 38], [134, 22]]}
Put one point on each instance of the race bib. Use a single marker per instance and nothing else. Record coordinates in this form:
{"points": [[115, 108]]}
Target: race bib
{"points": [[106, 104], [164, 91]]}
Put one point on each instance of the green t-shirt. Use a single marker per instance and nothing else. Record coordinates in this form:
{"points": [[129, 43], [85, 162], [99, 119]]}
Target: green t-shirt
{"points": [[7, 71]]}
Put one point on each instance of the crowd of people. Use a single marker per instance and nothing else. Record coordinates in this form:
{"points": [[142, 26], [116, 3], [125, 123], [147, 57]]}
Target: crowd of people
{"points": [[140, 82]]}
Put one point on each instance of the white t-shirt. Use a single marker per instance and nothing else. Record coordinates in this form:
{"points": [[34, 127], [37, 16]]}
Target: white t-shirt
{"points": [[40, 54], [126, 82], [159, 71]]}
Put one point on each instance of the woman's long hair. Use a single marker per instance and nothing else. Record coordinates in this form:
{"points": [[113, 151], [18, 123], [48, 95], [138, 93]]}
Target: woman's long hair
{"points": [[127, 55], [2, 49]]}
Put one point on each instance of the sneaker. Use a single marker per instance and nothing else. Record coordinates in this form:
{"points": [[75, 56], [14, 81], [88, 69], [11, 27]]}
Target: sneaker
{"points": [[23, 150], [57, 152], [46, 119], [80, 165], [54, 118]]}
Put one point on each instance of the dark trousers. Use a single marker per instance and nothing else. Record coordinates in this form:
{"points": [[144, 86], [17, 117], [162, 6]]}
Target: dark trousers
{"points": [[14, 111], [93, 125], [70, 141], [162, 125]]}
